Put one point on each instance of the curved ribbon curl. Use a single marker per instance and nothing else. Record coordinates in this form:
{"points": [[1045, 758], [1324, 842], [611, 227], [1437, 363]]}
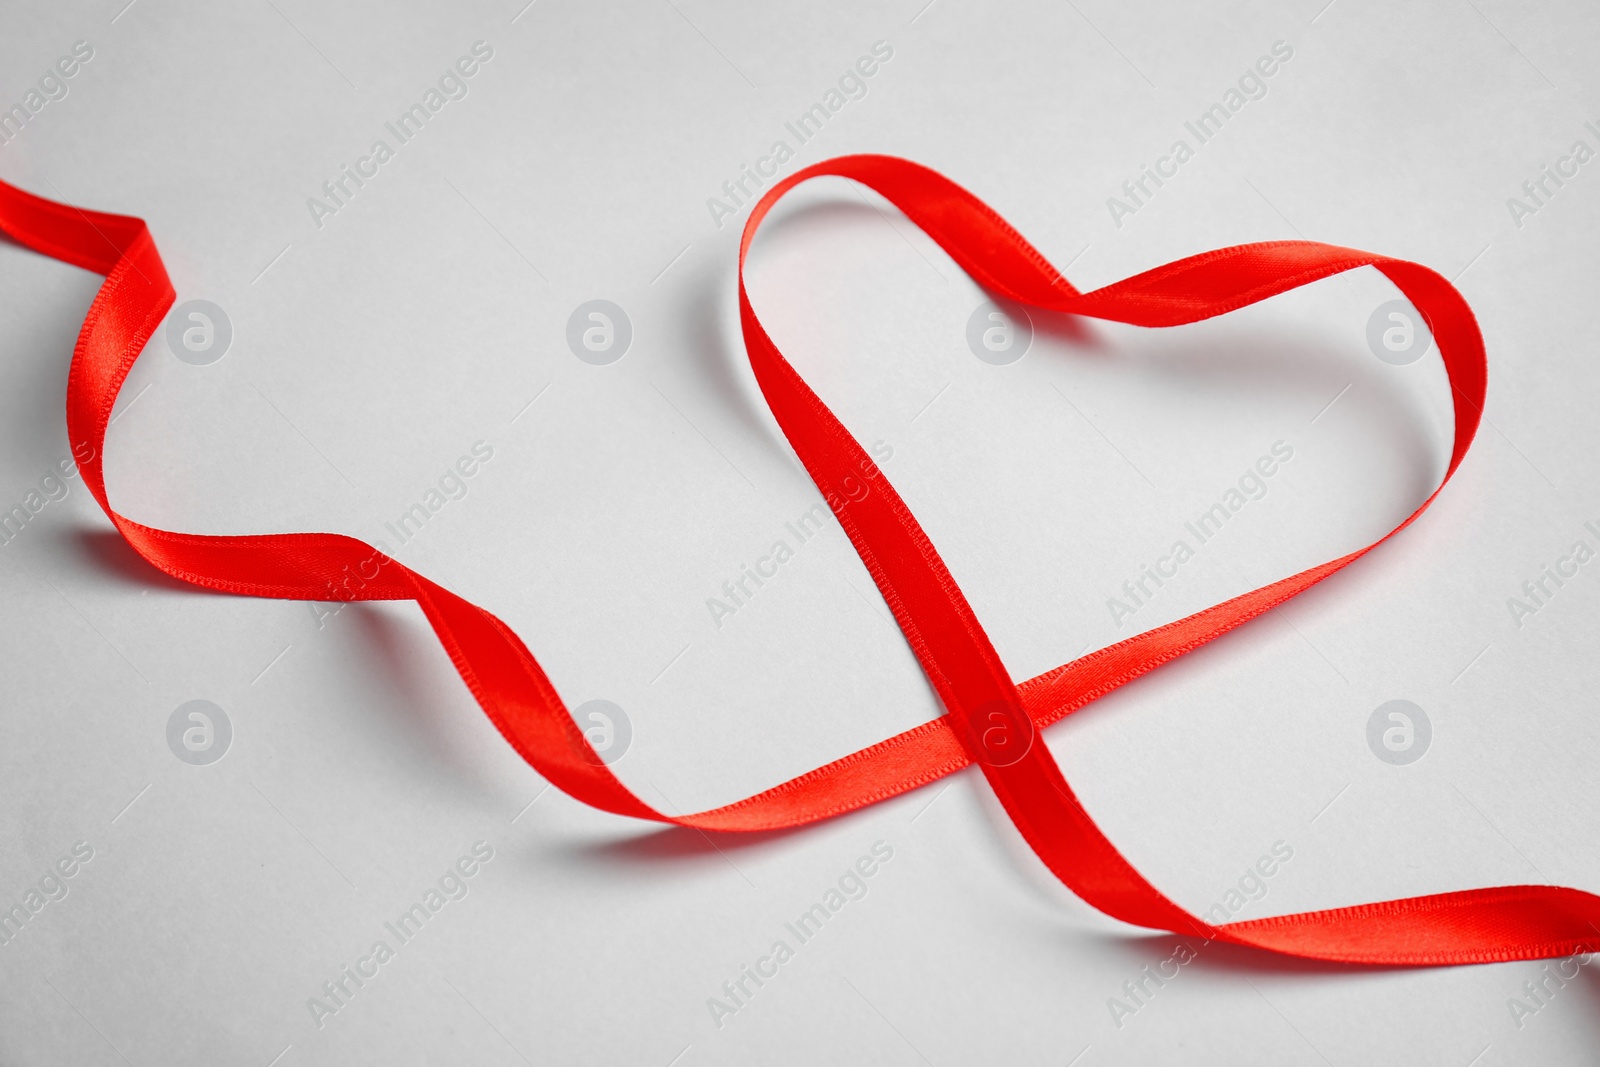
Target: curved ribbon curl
{"points": [[989, 719]]}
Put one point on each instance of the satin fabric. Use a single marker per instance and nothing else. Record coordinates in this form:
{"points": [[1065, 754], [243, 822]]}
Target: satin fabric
{"points": [[990, 720]]}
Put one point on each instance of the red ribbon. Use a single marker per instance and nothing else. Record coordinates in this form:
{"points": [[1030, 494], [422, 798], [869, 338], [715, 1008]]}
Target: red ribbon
{"points": [[989, 719]]}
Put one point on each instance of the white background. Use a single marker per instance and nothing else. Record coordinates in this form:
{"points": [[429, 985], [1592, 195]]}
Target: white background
{"points": [[424, 316]]}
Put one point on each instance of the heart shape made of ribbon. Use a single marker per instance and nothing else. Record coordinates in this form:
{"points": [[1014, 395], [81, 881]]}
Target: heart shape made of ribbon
{"points": [[989, 720]]}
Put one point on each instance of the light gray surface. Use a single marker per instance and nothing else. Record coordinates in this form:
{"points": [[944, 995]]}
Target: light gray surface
{"points": [[432, 309]]}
